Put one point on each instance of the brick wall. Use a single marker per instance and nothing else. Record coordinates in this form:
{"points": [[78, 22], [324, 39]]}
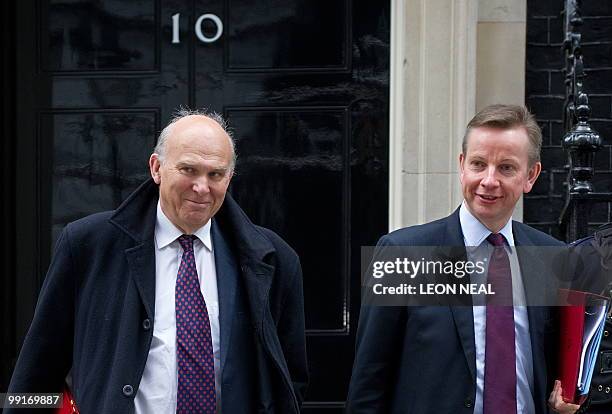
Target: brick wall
{"points": [[545, 94]]}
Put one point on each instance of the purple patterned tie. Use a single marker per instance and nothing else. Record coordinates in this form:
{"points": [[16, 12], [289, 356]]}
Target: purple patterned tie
{"points": [[194, 351], [500, 353]]}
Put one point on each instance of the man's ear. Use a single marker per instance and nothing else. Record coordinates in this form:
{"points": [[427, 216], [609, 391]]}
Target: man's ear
{"points": [[154, 166], [532, 176]]}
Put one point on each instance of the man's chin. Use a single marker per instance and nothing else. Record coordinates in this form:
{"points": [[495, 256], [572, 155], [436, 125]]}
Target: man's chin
{"points": [[491, 218], [195, 221], [482, 210]]}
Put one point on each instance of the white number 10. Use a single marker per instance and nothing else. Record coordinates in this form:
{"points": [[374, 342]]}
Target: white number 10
{"points": [[198, 28]]}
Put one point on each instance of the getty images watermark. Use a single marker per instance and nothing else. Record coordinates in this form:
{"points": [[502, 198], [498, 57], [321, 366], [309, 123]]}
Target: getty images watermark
{"points": [[458, 275], [405, 267]]}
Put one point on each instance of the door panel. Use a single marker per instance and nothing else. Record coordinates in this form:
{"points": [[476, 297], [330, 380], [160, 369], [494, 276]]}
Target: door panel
{"points": [[98, 36], [297, 35], [97, 160], [293, 179]]}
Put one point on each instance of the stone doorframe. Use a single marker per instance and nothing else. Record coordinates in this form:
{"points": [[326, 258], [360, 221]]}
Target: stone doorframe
{"points": [[449, 58]]}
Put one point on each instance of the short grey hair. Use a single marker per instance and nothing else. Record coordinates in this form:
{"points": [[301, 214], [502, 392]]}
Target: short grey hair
{"points": [[182, 112]]}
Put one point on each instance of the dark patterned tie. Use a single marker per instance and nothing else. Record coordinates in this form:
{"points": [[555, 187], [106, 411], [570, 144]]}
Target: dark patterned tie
{"points": [[500, 353], [194, 351]]}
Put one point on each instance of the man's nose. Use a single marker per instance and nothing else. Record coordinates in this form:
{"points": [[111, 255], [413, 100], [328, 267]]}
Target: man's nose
{"points": [[200, 185], [490, 178]]}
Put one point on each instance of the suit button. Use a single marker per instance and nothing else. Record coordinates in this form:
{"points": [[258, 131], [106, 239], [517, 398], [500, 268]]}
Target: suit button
{"points": [[146, 324], [128, 390], [468, 402]]}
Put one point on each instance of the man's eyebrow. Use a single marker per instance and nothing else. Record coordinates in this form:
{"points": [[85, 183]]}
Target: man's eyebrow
{"points": [[512, 160], [195, 164]]}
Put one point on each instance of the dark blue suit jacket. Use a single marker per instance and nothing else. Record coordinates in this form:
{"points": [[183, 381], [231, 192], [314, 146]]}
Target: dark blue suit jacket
{"points": [[419, 360], [95, 312]]}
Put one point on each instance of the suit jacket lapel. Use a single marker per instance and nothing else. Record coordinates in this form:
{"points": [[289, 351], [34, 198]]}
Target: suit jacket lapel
{"points": [[536, 276], [227, 281], [534, 271], [464, 321], [462, 314]]}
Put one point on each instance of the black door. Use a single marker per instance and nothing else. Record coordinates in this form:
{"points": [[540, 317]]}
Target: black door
{"points": [[304, 84]]}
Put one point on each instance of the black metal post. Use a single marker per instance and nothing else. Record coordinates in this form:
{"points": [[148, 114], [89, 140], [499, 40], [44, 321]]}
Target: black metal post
{"points": [[581, 142]]}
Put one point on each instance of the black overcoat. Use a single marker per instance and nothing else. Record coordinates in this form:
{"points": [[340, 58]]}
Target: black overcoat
{"points": [[95, 313]]}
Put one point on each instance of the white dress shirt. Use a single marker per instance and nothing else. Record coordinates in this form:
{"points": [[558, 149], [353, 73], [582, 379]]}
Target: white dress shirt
{"points": [[474, 237], [157, 391]]}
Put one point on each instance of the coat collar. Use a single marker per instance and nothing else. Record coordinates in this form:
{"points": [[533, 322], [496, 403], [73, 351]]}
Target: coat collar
{"points": [[227, 283], [136, 217], [250, 243]]}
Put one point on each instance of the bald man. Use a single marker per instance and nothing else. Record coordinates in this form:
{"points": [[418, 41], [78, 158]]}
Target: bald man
{"points": [[174, 302]]}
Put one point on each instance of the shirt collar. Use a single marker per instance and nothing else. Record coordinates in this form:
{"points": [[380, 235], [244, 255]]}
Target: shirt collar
{"points": [[166, 232], [474, 232]]}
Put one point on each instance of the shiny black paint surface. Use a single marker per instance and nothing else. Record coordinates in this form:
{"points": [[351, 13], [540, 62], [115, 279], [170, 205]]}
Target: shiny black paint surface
{"points": [[98, 160], [292, 176], [304, 84], [288, 34], [89, 35]]}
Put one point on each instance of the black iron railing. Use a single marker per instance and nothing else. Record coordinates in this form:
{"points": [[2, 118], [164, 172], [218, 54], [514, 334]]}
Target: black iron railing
{"points": [[580, 141]]}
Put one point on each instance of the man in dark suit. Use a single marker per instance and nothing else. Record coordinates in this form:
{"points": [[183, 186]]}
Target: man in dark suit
{"points": [[174, 302], [461, 359]]}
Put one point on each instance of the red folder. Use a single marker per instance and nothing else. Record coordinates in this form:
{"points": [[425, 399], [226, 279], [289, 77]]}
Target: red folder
{"points": [[571, 330], [572, 340], [68, 404]]}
